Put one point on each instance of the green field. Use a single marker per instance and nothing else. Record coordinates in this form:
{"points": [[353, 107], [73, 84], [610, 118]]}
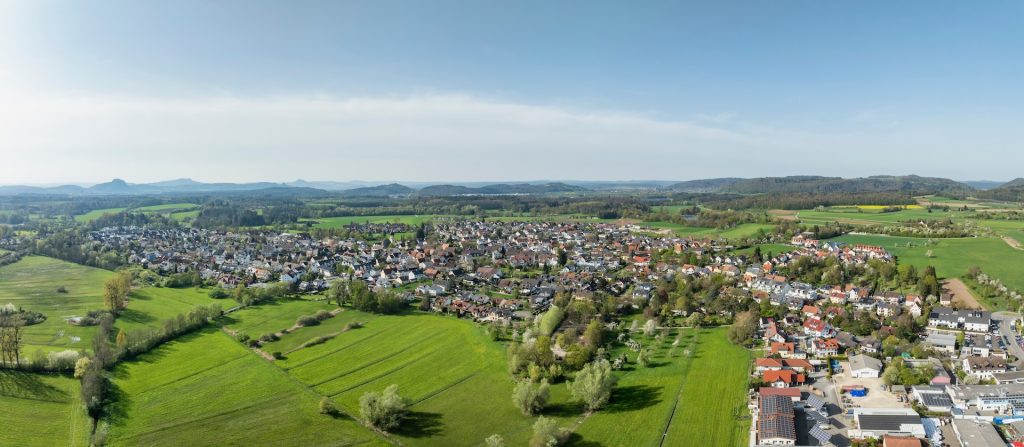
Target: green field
{"points": [[149, 306], [32, 284], [738, 232], [952, 257], [712, 407], [339, 222], [867, 217], [205, 389], [765, 249], [272, 317], [96, 214], [166, 207], [449, 368], [41, 410]]}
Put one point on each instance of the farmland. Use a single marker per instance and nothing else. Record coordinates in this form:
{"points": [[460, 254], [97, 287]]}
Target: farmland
{"points": [[952, 257], [738, 232], [442, 364], [42, 410], [339, 222], [33, 283], [206, 389], [149, 306]]}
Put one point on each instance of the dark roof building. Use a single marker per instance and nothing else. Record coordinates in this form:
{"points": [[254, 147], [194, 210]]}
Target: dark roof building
{"points": [[776, 422]]}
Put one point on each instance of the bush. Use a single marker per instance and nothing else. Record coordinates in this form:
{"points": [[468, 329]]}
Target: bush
{"points": [[327, 406], [307, 320], [218, 293], [322, 315], [546, 433], [551, 319], [530, 398], [267, 338], [62, 289]]}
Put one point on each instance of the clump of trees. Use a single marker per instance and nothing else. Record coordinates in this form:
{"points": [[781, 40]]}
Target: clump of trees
{"points": [[313, 320], [249, 296], [361, 297], [385, 410], [743, 328]]}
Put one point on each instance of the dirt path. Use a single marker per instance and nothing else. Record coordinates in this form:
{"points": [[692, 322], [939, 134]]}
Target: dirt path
{"points": [[962, 296], [1012, 242]]}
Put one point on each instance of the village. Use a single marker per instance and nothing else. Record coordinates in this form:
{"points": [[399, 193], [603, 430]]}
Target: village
{"points": [[812, 384]]}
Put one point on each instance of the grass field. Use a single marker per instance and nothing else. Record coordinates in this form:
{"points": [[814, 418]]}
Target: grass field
{"points": [[32, 284], [96, 214], [41, 410], [273, 317], [952, 257], [151, 305], [205, 389], [740, 231], [338, 222], [166, 207], [449, 368], [712, 407]]}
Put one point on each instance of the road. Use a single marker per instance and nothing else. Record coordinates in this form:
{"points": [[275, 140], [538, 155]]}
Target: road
{"points": [[1009, 337]]}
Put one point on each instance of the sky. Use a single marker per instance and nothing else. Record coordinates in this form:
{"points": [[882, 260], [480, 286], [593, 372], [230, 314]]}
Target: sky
{"points": [[446, 91]]}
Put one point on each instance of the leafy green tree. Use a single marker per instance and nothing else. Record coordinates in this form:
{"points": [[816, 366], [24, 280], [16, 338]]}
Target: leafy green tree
{"points": [[743, 328], [384, 410], [545, 433], [530, 398], [495, 441], [593, 384]]}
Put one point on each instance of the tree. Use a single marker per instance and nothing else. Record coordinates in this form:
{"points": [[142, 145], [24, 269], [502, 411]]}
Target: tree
{"points": [[338, 292], [495, 441], [743, 328], [530, 398], [327, 406], [593, 335], [116, 290], [384, 410], [643, 358], [81, 366], [545, 433], [122, 339], [593, 384], [649, 327]]}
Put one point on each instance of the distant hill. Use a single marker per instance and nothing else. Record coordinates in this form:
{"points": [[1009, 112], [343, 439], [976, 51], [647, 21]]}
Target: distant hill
{"points": [[393, 189], [121, 187], [499, 189], [1011, 191], [983, 184], [704, 185], [824, 185]]}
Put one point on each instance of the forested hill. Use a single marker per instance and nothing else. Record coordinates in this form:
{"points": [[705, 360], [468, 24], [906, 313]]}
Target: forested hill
{"points": [[911, 184], [499, 189]]}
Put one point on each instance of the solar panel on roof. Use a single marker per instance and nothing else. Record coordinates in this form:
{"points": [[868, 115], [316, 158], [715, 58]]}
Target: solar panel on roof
{"points": [[818, 417], [822, 436], [815, 402]]}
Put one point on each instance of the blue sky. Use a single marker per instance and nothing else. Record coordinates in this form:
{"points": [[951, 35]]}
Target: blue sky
{"points": [[474, 90]]}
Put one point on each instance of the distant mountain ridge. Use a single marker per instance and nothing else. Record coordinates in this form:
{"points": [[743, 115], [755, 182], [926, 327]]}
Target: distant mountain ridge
{"points": [[911, 184], [824, 185]]}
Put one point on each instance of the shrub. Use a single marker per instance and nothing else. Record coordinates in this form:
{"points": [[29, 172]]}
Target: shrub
{"points": [[307, 320], [218, 293], [327, 406]]}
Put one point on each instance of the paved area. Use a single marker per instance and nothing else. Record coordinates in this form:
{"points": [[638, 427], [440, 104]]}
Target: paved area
{"points": [[1009, 337], [877, 397]]}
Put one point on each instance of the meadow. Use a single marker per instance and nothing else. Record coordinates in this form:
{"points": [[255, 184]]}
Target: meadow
{"points": [[451, 371], [712, 405], [952, 257], [32, 283], [96, 214], [739, 232], [150, 306], [42, 410], [339, 222], [207, 389]]}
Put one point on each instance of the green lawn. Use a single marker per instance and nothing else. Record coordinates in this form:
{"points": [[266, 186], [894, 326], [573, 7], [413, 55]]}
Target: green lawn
{"points": [[952, 257], [96, 214], [205, 389], [32, 284], [41, 410]]}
